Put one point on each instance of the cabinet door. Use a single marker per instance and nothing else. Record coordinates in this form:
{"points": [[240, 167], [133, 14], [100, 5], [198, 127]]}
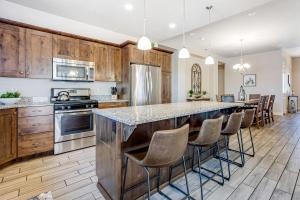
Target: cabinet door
{"points": [[166, 87], [135, 55], [85, 50], [38, 54], [114, 64], [101, 62], [8, 135], [164, 60], [12, 51], [151, 57], [64, 47]]}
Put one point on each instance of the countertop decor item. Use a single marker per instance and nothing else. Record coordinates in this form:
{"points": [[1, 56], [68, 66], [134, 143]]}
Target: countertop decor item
{"points": [[10, 98]]}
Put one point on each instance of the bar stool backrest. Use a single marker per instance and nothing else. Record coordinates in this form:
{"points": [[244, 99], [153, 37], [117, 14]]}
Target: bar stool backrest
{"points": [[210, 131], [167, 147], [234, 123], [248, 118]]}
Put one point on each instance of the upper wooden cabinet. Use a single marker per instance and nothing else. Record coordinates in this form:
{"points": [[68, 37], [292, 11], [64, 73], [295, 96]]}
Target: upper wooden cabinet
{"points": [[65, 47], [12, 51], [8, 135], [114, 63], [101, 62], [38, 54], [151, 57], [135, 55], [164, 61], [85, 50], [166, 87]]}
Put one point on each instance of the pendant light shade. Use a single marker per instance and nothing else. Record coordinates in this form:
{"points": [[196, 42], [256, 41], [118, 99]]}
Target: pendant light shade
{"points": [[144, 42], [209, 60], [184, 52]]}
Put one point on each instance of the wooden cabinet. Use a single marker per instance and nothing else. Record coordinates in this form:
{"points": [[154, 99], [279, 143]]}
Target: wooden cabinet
{"points": [[164, 61], [85, 51], [166, 87], [135, 55], [151, 57], [64, 47], [101, 62], [8, 135], [12, 51], [38, 54], [114, 63], [112, 104], [35, 130]]}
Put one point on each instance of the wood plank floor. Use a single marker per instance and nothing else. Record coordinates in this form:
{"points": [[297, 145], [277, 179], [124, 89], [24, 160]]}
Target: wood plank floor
{"points": [[272, 174]]}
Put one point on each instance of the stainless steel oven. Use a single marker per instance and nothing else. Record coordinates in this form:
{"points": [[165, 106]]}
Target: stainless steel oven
{"points": [[73, 70], [73, 124]]}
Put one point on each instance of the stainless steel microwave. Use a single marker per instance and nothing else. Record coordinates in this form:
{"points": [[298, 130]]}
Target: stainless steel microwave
{"points": [[73, 70]]}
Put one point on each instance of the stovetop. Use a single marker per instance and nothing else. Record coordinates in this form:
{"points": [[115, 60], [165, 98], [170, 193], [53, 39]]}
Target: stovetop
{"points": [[75, 104]]}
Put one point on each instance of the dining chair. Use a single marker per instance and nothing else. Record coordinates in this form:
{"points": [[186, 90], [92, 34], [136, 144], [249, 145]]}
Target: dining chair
{"points": [[269, 115], [254, 96], [227, 98], [259, 114]]}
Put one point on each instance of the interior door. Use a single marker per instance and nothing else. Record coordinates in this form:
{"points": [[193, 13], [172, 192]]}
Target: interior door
{"points": [[154, 85], [139, 86]]}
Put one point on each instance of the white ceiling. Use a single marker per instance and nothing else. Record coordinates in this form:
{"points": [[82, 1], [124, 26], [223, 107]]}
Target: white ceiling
{"points": [[275, 24], [272, 26], [111, 14]]}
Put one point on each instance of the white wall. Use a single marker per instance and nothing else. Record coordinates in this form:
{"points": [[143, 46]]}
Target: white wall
{"points": [[181, 78], [296, 76], [268, 68], [41, 87]]}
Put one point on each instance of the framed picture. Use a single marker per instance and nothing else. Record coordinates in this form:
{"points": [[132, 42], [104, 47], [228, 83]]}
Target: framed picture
{"points": [[250, 80]]}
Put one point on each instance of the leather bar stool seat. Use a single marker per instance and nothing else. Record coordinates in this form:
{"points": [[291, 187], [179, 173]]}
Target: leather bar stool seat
{"points": [[208, 136], [166, 148], [232, 128]]}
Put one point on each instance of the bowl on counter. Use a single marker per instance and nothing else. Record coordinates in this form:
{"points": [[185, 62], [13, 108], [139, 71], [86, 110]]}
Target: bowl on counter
{"points": [[9, 101]]}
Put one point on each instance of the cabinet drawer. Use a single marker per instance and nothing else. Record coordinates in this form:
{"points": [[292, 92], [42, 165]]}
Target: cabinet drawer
{"points": [[32, 125], [35, 111], [36, 143], [112, 104]]}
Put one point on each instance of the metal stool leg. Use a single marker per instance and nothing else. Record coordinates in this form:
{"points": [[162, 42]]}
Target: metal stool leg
{"points": [[124, 179], [227, 158], [148, 181], [221, 166], [199, 167], [240, 151], [253, 150]]}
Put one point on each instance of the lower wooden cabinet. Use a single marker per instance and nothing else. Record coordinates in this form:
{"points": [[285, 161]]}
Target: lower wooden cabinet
{"points": [[35, 130], [8, 135], [35, 143], [112, 104]]}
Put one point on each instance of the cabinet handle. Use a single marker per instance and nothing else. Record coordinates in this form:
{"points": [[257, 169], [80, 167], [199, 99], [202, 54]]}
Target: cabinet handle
{"points": [[34, 125]]}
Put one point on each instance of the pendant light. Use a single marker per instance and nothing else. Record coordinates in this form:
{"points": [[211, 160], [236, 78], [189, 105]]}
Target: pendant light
{"points": [[144, 42], [209, 60], [242, 67], [184, 52]]}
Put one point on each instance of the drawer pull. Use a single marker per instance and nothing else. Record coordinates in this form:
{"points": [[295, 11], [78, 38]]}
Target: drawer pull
{"points": [[34, 125]]}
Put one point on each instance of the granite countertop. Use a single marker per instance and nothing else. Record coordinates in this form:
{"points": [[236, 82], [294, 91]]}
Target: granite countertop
{"points": [[25, 104], [112, 101], [143, 114]]}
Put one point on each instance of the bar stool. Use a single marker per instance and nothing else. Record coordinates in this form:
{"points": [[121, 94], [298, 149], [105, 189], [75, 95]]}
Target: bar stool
{"points": [[233, 126], [247, 122], [208, 136], [165, 149]]}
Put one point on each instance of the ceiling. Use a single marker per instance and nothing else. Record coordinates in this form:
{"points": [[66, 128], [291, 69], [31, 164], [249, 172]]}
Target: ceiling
{"points": [[272, 24]]}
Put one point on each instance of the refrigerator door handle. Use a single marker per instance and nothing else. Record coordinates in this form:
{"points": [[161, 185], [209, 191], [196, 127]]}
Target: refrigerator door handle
{"points": [[147, 86], [150, 86]]}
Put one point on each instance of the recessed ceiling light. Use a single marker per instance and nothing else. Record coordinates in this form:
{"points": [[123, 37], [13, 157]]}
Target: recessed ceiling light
{"points": [[202, 38], [251, 14], [128, 6], [172, 25]]}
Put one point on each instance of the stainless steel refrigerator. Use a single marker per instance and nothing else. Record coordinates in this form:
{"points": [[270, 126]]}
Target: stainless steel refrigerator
{"points": [[145, 85]]}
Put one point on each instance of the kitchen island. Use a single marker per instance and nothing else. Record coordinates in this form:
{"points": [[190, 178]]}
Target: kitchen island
{"points": [[123, 129]]}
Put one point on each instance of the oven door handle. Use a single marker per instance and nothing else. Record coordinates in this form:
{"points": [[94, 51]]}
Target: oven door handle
{"points": [[77, 112]]}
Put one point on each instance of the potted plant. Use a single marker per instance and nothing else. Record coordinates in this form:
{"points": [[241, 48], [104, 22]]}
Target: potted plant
{"points": [[204, 93], [10, 98], [191, 92]]}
